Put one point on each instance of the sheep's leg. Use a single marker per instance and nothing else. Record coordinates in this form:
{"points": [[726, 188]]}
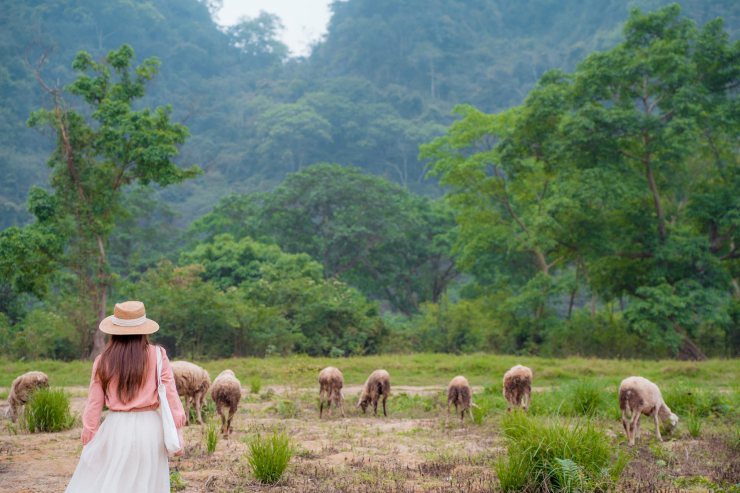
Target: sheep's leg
{"points": [[375, 406], [462, 414], [470, 409], [328, 407], [232, 412], [527, 399], [384, 413], [625, 424], [187, 410], [635, 427], [341, 405], [321, 400], [447, 421], [220, 411], [657, 428], [198, 402]]}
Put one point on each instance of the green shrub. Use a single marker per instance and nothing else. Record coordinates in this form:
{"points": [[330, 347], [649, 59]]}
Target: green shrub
{"points": [[551, 455], [693, 424], [269, 457], [733, 437], [255, 384], [47, 410], [212, 432], [585, 397]]}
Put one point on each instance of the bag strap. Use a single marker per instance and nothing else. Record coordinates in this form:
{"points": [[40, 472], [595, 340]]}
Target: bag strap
{"points": [[159, 365]]}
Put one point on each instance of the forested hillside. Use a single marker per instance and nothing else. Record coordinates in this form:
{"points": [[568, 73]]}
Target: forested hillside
{"points": [[382, 82], [587, 155]]}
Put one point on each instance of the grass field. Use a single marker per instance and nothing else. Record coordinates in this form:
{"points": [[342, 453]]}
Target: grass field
{"points": [[574, 409], [422, 369]]}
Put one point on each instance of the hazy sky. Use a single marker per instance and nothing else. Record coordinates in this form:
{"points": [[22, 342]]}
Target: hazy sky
{"points": [[304, 20]]}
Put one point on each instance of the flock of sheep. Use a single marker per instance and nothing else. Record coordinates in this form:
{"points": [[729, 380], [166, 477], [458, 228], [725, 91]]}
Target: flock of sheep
{"points": [[637, 395]]}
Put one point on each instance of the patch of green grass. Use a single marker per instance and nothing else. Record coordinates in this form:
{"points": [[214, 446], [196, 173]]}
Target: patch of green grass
{"points": [[420, 369], [733, 436], [585, 396], [554, 455], [47, 410], [176, 481], [212, 431], [693, 424], [4, 395], [286, 409], [255, 384], [268, 457], [207, 411]]}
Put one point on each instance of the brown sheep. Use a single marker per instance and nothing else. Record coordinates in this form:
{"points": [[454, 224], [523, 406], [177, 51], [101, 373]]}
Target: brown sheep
{"points": [[226, 392], [638, 396], [459, 393], [518, 387], [331, 382], [192, 383], [21, 389], [378, 383]]}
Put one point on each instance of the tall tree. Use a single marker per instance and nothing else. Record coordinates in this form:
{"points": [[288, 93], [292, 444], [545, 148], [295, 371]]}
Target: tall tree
{"points": [[94, 158]]}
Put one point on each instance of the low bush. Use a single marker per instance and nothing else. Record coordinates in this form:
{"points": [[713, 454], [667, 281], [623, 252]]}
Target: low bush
{"points": [[554, 455], [47, 410], [269, 457]]}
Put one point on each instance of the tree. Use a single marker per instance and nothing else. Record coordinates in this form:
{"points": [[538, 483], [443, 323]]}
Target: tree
{"points": [[257, 39], [93, 160]]}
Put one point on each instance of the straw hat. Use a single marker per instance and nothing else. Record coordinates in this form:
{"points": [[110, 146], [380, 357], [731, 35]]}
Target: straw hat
{"points": [[128, 318]]}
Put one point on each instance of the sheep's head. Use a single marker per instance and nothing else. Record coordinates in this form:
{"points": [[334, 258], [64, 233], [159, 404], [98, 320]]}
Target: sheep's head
{"points": [[673, 420], [362, 404]]}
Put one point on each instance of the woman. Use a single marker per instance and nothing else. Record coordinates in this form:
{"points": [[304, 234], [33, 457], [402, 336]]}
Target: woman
{"points": [[127, 454]]}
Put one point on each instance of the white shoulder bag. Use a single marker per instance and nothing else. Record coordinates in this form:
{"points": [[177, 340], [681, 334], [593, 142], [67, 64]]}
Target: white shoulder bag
{"points": [[171, 441]]}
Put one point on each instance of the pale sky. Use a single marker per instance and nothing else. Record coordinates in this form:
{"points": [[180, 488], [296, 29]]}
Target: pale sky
{"points": [[304, 20]]}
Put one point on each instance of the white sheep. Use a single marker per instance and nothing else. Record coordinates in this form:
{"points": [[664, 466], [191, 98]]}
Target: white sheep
{"points": [[192, 383], [21, 389], [638, 396], [331, 382], [459, 393], [226, 392], [377, 384], [518, 387]]}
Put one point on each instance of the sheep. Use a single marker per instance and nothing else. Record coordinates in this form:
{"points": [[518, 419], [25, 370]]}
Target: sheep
{"points": [[331, 382], [518, 387], [638, 396], [21, 389], [377, 384], [192, 382], [226, 391], [460, 394]]}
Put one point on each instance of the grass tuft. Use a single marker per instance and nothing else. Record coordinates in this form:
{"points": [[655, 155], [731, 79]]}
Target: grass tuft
{"points": [[212, 432], [47, 410], [255, 384], [269, 457], [693, 424], [552, 455], [586, 397]]}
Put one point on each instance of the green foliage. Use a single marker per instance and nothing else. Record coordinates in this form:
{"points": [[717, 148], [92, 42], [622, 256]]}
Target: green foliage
{"points": [[47, 411], [693, 424], [177, 483], [268, 457], [255, 384], [546, 454], [585, 396], [212, 432]]}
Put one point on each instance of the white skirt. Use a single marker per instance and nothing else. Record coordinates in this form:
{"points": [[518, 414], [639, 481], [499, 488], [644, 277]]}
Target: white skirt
{"points": [[126, 455]]}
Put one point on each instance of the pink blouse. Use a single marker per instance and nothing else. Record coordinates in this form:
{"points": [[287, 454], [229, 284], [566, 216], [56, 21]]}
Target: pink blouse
{"points": [[146, 399]]}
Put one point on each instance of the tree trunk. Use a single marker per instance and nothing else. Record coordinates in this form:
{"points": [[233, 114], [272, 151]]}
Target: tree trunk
{"points": [[688, 350], [99, 337]]}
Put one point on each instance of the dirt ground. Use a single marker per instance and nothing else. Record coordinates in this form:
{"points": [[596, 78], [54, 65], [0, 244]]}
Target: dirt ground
{"points": [[357, 453]]}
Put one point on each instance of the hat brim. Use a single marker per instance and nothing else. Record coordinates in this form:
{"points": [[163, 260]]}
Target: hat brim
{"points": [[148, 327]]}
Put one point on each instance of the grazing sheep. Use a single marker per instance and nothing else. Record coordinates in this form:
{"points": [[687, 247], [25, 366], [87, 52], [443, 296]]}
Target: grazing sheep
{"points": [[192, 382], [21, 389], [331, 382], [378, 383], [460, 394], [226, 392], [638, 396], [518, 387]]}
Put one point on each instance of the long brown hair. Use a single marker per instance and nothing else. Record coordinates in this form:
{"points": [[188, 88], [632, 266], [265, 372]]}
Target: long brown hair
{"points": [[124, 358]]}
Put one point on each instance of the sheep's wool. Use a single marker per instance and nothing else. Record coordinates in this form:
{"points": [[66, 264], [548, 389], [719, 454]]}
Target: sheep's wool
{"points": [[126, 455]]}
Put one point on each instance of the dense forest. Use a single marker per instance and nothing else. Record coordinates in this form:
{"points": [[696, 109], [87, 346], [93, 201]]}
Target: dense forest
{"points": [[533, 177]]}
